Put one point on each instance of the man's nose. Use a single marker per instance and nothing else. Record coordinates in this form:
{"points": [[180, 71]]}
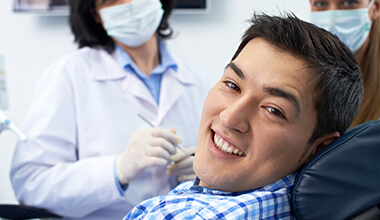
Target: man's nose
{"points": [[237, 115]]}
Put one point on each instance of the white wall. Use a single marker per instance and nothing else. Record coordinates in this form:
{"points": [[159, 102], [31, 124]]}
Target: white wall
{"points": [[29, 43]]}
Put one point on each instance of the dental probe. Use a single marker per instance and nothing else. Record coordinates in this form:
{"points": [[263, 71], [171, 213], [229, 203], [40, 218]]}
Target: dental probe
{"points": [[149, 123]]}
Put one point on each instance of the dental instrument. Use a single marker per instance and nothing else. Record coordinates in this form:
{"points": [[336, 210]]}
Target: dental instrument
{"points": [[178, 146]]}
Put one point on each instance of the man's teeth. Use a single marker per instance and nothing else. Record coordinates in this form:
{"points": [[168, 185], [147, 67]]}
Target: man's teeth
{"points": [[227, 147]]}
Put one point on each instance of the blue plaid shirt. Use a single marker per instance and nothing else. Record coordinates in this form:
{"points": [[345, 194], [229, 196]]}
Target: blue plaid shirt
{"points": [[190, 201]]}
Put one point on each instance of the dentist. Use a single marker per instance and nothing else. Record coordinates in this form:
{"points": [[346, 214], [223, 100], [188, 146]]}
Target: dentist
{"points": [[88, 154], [357, 24]]}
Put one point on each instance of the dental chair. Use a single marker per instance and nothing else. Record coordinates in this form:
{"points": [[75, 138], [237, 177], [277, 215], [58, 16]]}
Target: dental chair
{"points": [[340, 182], [343, 180]]}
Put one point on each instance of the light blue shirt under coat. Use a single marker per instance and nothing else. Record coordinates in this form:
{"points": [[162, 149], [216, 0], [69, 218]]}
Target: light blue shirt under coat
{"points": [[153, 81]]}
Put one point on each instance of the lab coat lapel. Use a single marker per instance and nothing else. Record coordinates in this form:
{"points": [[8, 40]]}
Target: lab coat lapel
{"points": [[105, 67], [133, 85], [172, 86]]}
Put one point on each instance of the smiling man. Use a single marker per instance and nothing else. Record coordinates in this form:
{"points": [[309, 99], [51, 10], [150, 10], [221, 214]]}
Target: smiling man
{"points": [[290, 90]]}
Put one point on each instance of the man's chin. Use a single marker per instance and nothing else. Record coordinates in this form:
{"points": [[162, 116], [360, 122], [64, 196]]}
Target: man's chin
{"points": [[216, 184]]}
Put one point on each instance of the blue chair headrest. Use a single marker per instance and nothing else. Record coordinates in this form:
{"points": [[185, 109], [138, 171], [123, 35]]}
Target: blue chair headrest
{"points": [[343, 180]]}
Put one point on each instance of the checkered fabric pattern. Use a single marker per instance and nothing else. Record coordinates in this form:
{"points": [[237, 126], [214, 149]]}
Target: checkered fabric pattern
{"points": [[190, 201]]}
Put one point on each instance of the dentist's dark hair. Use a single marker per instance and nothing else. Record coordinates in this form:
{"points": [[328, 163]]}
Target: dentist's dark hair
{"points": [[334, 70], [89, 32]]}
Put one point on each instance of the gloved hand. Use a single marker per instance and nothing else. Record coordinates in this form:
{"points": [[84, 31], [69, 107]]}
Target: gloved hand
{"points": [[182, 165], [146, 148]]}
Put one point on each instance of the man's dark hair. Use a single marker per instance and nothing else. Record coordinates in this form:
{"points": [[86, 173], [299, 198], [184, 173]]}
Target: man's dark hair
{"points": [[90, 33], [339, 87]]}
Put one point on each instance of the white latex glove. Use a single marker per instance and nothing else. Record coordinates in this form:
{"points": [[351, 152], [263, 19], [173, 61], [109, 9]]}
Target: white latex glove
{"points": [[146, 148], [182, 165]]}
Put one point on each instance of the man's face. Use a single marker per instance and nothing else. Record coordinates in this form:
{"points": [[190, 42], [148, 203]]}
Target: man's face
{"points": [[261, 112]]}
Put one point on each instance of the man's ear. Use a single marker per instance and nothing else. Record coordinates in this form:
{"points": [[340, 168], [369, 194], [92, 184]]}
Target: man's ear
{"points": [[374, 12], [322, 142], [329, 138]]}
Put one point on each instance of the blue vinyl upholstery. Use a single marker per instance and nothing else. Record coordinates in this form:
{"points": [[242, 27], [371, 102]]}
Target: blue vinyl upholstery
{"points": [[343, 180]]}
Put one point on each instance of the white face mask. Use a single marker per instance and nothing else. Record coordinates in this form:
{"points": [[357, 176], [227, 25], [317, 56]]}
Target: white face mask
{"points": [[133, 23], [351, 26]]}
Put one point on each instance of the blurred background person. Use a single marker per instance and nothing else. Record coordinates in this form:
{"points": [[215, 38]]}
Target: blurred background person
{"points": [[88, 155], [356, 23]]}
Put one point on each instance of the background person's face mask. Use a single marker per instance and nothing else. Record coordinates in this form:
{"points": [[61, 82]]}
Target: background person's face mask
{"points": [[133, 23], [351, 26]]}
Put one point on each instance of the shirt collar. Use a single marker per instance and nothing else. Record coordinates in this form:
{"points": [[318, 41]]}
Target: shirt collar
{"points": [[285, 182], [106, 66], [103, 65], [167, 61]]}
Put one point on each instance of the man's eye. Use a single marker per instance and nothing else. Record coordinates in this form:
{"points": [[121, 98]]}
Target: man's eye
{"points": [[232, 86], [275, 112]]}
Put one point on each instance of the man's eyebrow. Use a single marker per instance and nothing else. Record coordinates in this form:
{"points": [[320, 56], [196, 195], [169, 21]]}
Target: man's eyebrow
{"points": [[283, 94], [236, 69]]}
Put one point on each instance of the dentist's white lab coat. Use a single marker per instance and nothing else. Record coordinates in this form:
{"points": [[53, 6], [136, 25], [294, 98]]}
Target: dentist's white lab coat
{"points": [[83, 114]]}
